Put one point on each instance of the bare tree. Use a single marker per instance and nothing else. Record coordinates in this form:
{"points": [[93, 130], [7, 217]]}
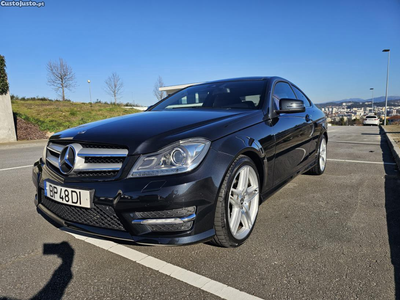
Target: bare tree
{"points": [[60, 76], [156, 90], [114, 85]]}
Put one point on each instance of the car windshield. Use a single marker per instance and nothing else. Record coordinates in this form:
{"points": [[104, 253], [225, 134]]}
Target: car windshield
{"points": [[371, 117], [227, 95]]}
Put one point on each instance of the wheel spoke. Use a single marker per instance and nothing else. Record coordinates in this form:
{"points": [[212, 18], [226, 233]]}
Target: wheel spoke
{"points": [[234, 201], [246, 217], [235, 220], [251, 189], [252, 196], [243, 179], [236, 191], [251, 192]]}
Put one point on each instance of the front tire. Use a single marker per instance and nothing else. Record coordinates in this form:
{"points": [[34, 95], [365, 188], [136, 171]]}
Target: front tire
{"points": [[237, 205], [320, 167]]}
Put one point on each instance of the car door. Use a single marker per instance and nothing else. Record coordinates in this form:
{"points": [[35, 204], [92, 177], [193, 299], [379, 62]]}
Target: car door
{"points": [[292, 134], [310, 117]]}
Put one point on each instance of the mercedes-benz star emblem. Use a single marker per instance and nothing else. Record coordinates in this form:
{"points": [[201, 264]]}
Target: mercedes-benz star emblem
{"points": [[66, 161]]}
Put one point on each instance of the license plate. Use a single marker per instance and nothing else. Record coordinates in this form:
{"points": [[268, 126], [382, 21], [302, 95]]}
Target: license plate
{"points": [[67, 196]]}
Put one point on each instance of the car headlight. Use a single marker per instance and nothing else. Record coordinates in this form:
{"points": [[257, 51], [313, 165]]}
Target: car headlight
{"points": [[180, 157]]}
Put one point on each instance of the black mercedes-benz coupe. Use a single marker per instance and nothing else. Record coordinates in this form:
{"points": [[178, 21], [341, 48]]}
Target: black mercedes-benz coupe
{"points": [[193, 167]]}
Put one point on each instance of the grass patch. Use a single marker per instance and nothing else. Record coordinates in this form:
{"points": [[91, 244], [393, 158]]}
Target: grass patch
{"points": [[55, 116]]}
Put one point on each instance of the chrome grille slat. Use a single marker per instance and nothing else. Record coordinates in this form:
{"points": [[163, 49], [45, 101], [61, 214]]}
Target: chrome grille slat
{"points": [[83, 162], [53, 160], [55, 147], [101, 155], [100, 167], [96, 152]]}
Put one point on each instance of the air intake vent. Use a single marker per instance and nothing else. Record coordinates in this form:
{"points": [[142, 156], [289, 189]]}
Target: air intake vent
{"points": [[100, 215]]}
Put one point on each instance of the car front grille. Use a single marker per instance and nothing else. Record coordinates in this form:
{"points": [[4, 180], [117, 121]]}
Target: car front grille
{"points": [[99, 215], [89, 160], [99, 146], [97, 174], [104, 160]]}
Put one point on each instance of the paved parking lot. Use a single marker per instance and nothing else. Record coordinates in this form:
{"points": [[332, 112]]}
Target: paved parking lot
{"points": [[335, 236]]}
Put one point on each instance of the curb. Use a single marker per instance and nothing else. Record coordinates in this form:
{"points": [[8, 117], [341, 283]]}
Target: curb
{"points": [[22, 144], [394, 147]]}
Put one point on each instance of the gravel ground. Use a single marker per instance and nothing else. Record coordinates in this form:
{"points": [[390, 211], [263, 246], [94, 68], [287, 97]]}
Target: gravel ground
{"points": [[29, 131]]}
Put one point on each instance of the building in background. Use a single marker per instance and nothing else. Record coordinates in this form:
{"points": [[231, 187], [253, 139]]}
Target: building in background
{"points": [[174, 88]]}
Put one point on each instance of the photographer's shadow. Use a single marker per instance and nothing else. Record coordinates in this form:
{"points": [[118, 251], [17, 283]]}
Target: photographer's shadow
{"points": [[56, 286]]}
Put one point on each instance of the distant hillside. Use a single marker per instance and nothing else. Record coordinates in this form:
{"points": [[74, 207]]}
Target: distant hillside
{"points": [[358, 104], [54, 116], [355, 100]]}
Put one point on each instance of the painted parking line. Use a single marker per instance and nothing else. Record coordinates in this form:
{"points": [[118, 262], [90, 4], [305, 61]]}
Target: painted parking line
{"points": [[14, 168], [362, 161], [206, 284], [363, 143]]}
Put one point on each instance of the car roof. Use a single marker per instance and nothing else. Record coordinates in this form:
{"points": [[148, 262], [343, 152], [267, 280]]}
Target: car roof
{"points": [[253, 78]]}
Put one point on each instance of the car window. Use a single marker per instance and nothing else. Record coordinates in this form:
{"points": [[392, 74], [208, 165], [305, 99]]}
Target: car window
{"points": [[301, 96], [282, 90], [372, 117], [232, 94]]}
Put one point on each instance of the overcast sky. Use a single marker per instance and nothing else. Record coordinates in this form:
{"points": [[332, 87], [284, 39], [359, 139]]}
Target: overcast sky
{"points": [[331, 49]]}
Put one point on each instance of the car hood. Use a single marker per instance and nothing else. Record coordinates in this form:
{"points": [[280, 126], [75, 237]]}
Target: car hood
{"points": [[149, 131]]}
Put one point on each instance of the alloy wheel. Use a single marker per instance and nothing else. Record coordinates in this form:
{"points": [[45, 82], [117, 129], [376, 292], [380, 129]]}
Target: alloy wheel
{"points": [[322, 154], [243, 202]]}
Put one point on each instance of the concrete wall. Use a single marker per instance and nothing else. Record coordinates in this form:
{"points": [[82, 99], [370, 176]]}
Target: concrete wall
{"points": [[7, 128], [136, 107]]}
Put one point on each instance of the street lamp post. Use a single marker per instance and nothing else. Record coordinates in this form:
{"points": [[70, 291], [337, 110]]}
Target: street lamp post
{"points": [[372, 99], [387, 83], [90, 91]]}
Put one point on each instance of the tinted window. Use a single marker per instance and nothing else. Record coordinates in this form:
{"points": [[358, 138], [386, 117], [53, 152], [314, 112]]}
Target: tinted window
{"points": [[282, 90], [235, 94], [301, 96], [372, 117]]}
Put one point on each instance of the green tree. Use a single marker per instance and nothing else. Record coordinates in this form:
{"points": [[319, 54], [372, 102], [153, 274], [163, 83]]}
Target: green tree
{"points": [[3, 76]]}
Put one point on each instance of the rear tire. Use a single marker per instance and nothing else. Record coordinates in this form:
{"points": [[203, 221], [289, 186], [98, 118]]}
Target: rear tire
{"points": [[320, 167], [237, 204]]}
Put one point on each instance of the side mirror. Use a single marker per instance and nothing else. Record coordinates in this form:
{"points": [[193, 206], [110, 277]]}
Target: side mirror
{"points": [[290, 106]]}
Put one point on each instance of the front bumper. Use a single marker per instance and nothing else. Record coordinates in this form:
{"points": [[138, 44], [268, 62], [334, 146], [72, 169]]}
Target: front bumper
{"points": [[171, 210]]}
